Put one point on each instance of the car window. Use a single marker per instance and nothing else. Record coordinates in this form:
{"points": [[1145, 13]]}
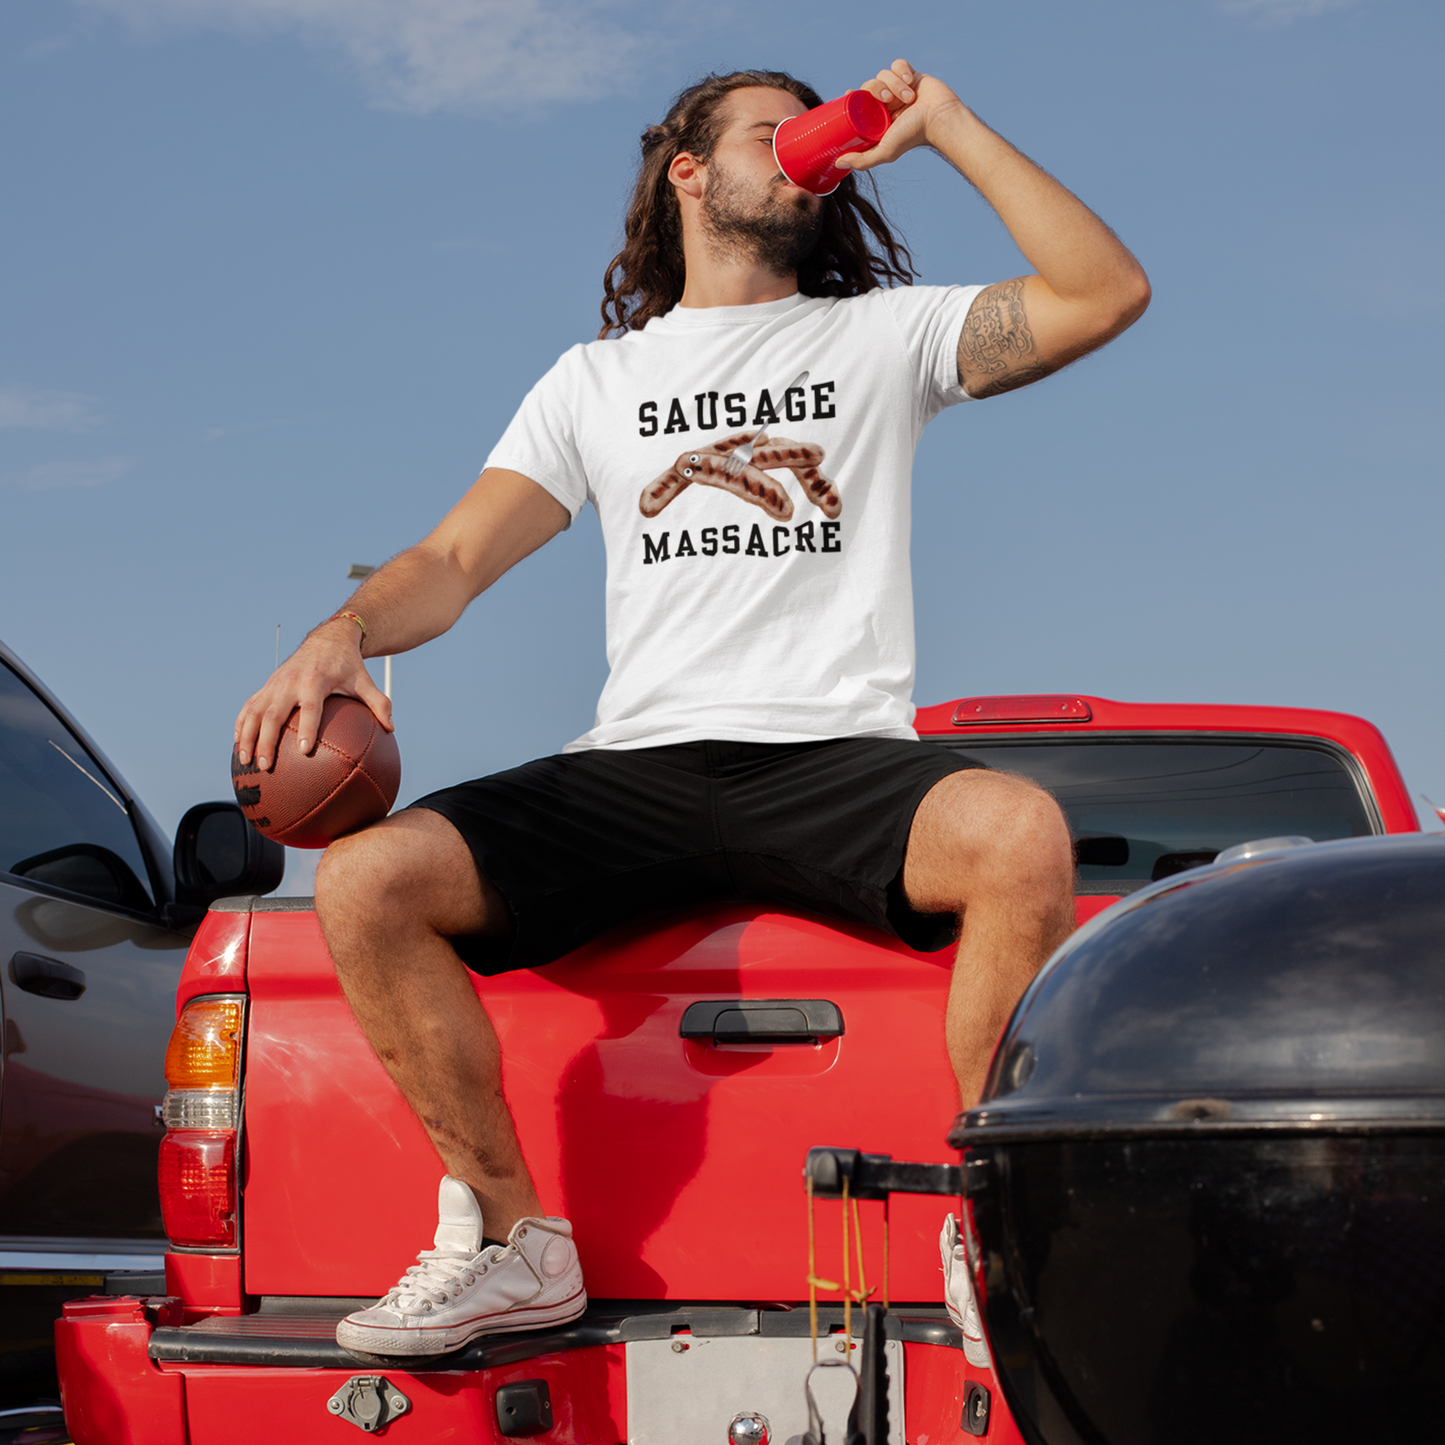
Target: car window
{"points": [[61, 821], [1147, 810]]}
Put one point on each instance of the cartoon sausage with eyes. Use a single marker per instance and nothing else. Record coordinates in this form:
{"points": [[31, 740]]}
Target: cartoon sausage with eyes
{"points": [[752, 484]]}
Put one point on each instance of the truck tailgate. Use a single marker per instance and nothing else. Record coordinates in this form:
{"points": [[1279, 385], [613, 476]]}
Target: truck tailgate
{"points": [[678, 1161]]}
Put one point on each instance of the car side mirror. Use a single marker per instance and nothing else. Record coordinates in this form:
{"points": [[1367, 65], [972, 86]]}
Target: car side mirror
{"points": [[219, 855]]}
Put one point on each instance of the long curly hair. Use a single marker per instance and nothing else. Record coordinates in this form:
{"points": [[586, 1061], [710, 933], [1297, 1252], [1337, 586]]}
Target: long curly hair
{"points": [[856, 250]]}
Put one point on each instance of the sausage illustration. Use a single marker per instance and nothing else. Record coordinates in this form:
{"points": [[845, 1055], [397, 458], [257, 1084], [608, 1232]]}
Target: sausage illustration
{"points": [[818, 489], [656, 495], [778, 452], [724, 445], [752, 484], [803, 461]]}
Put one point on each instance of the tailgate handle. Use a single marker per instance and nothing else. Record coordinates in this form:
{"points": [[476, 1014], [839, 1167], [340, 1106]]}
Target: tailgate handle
{"points": [[762, 1020], [46, 976]]}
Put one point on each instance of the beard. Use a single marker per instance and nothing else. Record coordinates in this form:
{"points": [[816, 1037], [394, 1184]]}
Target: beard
{"points": [[774, 233]]}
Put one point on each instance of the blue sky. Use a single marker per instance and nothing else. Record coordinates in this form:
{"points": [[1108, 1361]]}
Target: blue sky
{"points": [[277, 272]]}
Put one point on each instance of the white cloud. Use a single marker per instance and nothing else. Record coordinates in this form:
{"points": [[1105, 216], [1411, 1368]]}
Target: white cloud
{"points": [[222, 433], [427, 55], [1281, 12], [48, 45], [50, 475], [47, 410]]}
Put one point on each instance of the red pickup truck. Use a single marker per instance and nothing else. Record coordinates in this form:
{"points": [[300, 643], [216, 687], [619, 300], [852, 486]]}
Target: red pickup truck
{"points": [[668, 1081]]}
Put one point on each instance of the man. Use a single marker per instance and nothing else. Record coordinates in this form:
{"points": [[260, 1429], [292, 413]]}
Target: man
{"points": [[754, 736]]}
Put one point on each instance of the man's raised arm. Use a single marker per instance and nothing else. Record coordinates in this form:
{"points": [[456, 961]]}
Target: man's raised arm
{"points": [[1088, 288], [416, 596]]}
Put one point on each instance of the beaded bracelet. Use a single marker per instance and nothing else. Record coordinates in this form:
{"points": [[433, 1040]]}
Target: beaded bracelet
{"points": [[354, 616]]}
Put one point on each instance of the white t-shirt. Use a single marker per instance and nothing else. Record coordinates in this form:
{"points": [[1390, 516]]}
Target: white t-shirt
{"points": [[778, 608]]}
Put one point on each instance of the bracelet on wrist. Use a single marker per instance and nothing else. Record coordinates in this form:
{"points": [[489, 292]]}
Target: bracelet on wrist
{"points": [[352, 616]]}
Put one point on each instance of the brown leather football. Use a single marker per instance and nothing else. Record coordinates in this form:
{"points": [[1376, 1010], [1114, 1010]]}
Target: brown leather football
{"points": [[349, 779]]}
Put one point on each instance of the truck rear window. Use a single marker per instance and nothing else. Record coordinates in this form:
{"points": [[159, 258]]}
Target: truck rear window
{"points": [[1144, 810]]}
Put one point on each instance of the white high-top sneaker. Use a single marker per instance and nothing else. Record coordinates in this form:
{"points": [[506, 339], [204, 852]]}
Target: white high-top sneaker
{"points": [[457, 1290], [958, 1295]]}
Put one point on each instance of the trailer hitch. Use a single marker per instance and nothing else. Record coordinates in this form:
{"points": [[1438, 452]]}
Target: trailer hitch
{"points": [[851, 1175], [876, 1176], [868, 1419]]}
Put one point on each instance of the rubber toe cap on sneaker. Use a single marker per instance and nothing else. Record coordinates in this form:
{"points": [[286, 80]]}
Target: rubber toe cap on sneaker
{"points": [[382, 1332]]}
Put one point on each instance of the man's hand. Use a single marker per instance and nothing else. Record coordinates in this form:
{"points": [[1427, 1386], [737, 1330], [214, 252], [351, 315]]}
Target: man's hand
{"points": [[414, 597], [328, 662], [1087, 289], [917, 104]]}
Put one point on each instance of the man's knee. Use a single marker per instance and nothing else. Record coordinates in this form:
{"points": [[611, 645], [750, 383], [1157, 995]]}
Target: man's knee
{"points": [[983, 829], [360, 875], [411, 870], [1031, 825]]}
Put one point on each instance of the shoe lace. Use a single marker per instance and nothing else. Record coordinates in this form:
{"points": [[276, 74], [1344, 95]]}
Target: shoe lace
{"points": [[436, 1275]]}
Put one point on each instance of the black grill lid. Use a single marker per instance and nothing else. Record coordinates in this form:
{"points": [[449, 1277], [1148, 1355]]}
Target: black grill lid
{"points": [[1303, 990]]}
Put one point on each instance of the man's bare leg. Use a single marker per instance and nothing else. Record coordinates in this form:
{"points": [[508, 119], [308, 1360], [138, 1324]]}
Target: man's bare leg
{"points": [[995, 850], [387, 899]]}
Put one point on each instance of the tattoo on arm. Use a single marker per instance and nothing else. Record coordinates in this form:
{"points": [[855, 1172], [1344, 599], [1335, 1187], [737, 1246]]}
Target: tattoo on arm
{"points": [[996, 347]]}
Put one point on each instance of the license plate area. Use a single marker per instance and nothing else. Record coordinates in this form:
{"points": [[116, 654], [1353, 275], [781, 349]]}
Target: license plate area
{"points": [[689, 1395]]}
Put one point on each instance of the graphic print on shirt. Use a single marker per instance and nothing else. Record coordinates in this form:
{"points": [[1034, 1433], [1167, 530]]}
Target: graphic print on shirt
{"points": [[708, 465], [782, 612]]}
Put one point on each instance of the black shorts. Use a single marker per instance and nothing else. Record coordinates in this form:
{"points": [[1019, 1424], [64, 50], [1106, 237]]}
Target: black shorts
{"points": [[582, 842]]}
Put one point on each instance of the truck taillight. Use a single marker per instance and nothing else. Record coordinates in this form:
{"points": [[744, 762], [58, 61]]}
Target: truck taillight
{"points": [[202, 1113], [198, 1187]]}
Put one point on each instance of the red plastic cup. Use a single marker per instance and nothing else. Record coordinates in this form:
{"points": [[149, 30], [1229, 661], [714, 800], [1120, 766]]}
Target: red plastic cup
{"points": [[807, 145]]}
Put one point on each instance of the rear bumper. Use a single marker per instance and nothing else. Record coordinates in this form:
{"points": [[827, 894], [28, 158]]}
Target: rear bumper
{"points": [[132, 1374], [112, 1392]]}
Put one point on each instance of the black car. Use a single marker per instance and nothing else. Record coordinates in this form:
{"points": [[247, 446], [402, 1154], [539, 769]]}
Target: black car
{"points": [[93, 931]]}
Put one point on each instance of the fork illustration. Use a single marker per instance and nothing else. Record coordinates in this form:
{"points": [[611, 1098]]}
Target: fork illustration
{"points": [[734, 465]]}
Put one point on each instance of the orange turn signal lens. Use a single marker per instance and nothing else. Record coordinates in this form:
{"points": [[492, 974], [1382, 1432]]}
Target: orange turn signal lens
{"points": [[205, 1047]]}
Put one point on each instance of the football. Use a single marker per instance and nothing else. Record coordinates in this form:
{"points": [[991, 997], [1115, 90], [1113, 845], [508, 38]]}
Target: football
{"points": [[349, 780]]}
